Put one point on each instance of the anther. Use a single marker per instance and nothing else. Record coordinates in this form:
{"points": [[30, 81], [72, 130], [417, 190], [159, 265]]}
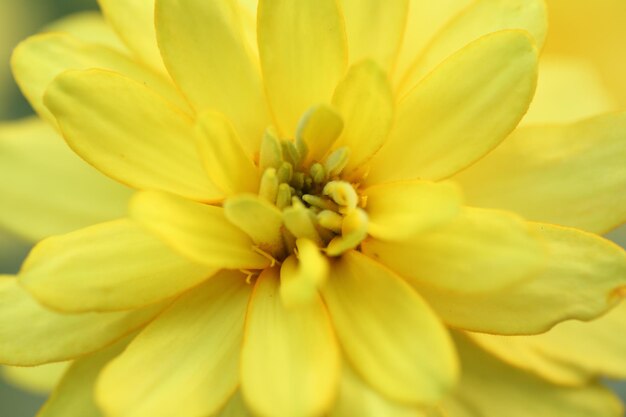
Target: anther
{"points": [[271, 151], [318, 173], [323, 203], [337, 161], [285, 172], [342, 193], [283, 198], [269, 185]]}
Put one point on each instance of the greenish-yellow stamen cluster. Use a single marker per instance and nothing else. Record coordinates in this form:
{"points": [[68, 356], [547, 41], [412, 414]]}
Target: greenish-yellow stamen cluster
{"points": [[315, 202]]}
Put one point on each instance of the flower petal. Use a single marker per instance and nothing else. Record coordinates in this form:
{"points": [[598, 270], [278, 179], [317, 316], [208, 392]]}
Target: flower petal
{"points": [[235, 407], [318, 130], [301, 275], [588, 349], [356, 398], [555, 100], [60, 271], [36, 379], [290, 359], [389, 334], [375, 29], [186, 361], [424, 21], [481, 18], [365, 102], [198, 231], [481, 250], [223, 155], [400, 210], [90, 27], [66, 336], [303, 55], [129, 132], [133, 20], [491, 388], [39, 59], [46, 188], [74, 396], [573, 175], [582, 279], [465, 108], [205, 50]]}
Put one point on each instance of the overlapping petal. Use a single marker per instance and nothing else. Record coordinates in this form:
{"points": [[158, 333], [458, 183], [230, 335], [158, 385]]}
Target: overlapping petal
{"points": [[186, 361], [303, 55], [572, 175], [46, 189], [491, 388], [480, 250], [389, 334], [198, 231], [66, 336], [129, 132], [61, 273], [290, 358], [39, 59], [582, 279], [465, 108]]}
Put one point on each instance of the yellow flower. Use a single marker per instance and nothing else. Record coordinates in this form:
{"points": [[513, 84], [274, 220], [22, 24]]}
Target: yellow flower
{"points": [[303, 228]]}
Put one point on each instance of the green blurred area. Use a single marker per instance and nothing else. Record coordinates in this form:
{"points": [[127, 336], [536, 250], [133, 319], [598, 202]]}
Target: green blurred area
{"points": [[19, 19]]}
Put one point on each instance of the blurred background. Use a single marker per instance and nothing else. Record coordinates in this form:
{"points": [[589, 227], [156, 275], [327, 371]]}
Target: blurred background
{"points": [[591, 31]]}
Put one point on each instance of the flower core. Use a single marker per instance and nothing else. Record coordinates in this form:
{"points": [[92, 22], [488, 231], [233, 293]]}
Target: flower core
{"points": [[316, 201]]}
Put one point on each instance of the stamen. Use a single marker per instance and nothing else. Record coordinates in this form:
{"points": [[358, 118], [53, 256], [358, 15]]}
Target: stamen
{"points": [[342, 193], [283, 199], [285, 172], [353, 231], [319, 202], [269, 185], [271, 151], [318, 173], [264, 254], [291, 153], [330, 220], [337, 161]]}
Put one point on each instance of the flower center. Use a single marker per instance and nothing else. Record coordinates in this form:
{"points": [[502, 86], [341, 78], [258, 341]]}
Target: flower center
{"points": [[316, 203]]}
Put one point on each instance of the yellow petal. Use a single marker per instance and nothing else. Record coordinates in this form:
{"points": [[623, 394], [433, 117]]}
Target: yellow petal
{"points": [[198, 231], [205, 50], [399, 210], [60, 271], [46, 188], [66, 336], [133, 20], [37, 379], [461, 111], [223, 156], [301, 275], [356, 398], [481, 18], [555, 100], [89, 27], [573, 175], [290, 359], [582, 279], [129, 132], [74, 396], [491, 388], [480, 250], [235, 407], [365, 102], [389, 334], [520, 352], [303, 55], [424, 21], [259, 219], [319, 128], [590, 349], [184, 363], [38, 60], [375, 29]]}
